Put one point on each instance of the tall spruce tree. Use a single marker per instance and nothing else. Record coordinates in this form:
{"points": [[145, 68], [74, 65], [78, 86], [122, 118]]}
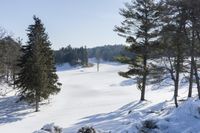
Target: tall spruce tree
{"points": [[139, 29], [37, 79]]}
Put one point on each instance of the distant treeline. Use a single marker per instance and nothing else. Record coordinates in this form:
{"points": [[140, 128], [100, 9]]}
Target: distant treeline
{"points": [[9, 55], [80, 55], [72, 56], [108, 52]]}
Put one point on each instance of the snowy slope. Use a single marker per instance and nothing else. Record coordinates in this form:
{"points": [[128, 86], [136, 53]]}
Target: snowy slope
{"points": [[84, 92], [97, 99]]}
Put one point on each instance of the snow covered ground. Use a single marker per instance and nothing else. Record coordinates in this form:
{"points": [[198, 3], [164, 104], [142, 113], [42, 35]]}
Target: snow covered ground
{"points": [[103, 100]]}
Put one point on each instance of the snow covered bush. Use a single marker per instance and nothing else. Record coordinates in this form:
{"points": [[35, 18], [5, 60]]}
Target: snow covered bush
{"points": [[50, 128], [148, 126], [87, 130]]}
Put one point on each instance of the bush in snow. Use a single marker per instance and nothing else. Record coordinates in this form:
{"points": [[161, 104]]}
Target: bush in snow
{"points": [[87, 130], [148, 125], [50, 128]]}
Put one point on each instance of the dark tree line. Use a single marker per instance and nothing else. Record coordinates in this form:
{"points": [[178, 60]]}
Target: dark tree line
{"points": [[80, 55], [165, 37], [9, 54], [108, 52], [73, 56]]}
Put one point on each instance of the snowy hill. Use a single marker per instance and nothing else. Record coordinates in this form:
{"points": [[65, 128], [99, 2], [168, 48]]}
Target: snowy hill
{"points": [[97, 99], [140, 117]]}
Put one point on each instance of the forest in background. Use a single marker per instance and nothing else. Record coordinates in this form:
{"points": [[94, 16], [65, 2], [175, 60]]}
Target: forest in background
{"points": [[109, 52], [79, 56], [10, 52]]}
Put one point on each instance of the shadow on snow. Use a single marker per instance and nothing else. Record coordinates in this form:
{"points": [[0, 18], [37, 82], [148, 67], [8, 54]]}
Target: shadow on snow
{"points": [[112, 118], [11, 110]]}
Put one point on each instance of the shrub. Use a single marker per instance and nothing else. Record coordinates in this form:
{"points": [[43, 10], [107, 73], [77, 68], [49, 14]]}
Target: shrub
{"points": [[50, 128], [148, 125], [87, 130]]}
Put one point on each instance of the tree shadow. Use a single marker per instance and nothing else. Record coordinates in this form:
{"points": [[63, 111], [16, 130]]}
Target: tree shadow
{"points": [[11, 110], [111, 63], [105, 118], [66, 67], [128, 82]]}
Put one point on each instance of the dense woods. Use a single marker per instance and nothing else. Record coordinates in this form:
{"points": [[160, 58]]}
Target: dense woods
{"points": [[73, 56], [109, 52], [79, 56], [9, 55]]}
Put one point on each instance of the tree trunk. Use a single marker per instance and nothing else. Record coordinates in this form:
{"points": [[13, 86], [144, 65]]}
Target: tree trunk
{"points": [[37, 100], [145, 59], [36, 106], [195, 69], [144, 79], [98, 61], [191, 67], [14, 79], [7, 74], [176, 86], [191, 80], [197, 78], [176, 90]]}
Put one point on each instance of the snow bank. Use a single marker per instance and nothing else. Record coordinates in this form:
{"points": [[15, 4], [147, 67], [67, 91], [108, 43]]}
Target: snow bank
{"points": [[184, 119], [147, 117]]}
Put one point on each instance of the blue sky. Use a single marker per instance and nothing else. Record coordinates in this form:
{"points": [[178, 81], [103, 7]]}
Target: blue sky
{"points": [[75, 22]]}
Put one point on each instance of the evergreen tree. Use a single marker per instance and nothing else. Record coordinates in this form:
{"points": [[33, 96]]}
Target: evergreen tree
{"points": [[139, 29], [37, 79], [192, 33], [173, 41]]}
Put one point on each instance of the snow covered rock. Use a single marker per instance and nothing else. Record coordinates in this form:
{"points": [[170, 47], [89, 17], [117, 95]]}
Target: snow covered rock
{"points": [[50, 128]]}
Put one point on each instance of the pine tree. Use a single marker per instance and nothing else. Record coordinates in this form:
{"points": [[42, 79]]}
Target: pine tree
{"points": [[192, 33], [139, 29], [174, 41], [37, 79], [194, 7]]}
